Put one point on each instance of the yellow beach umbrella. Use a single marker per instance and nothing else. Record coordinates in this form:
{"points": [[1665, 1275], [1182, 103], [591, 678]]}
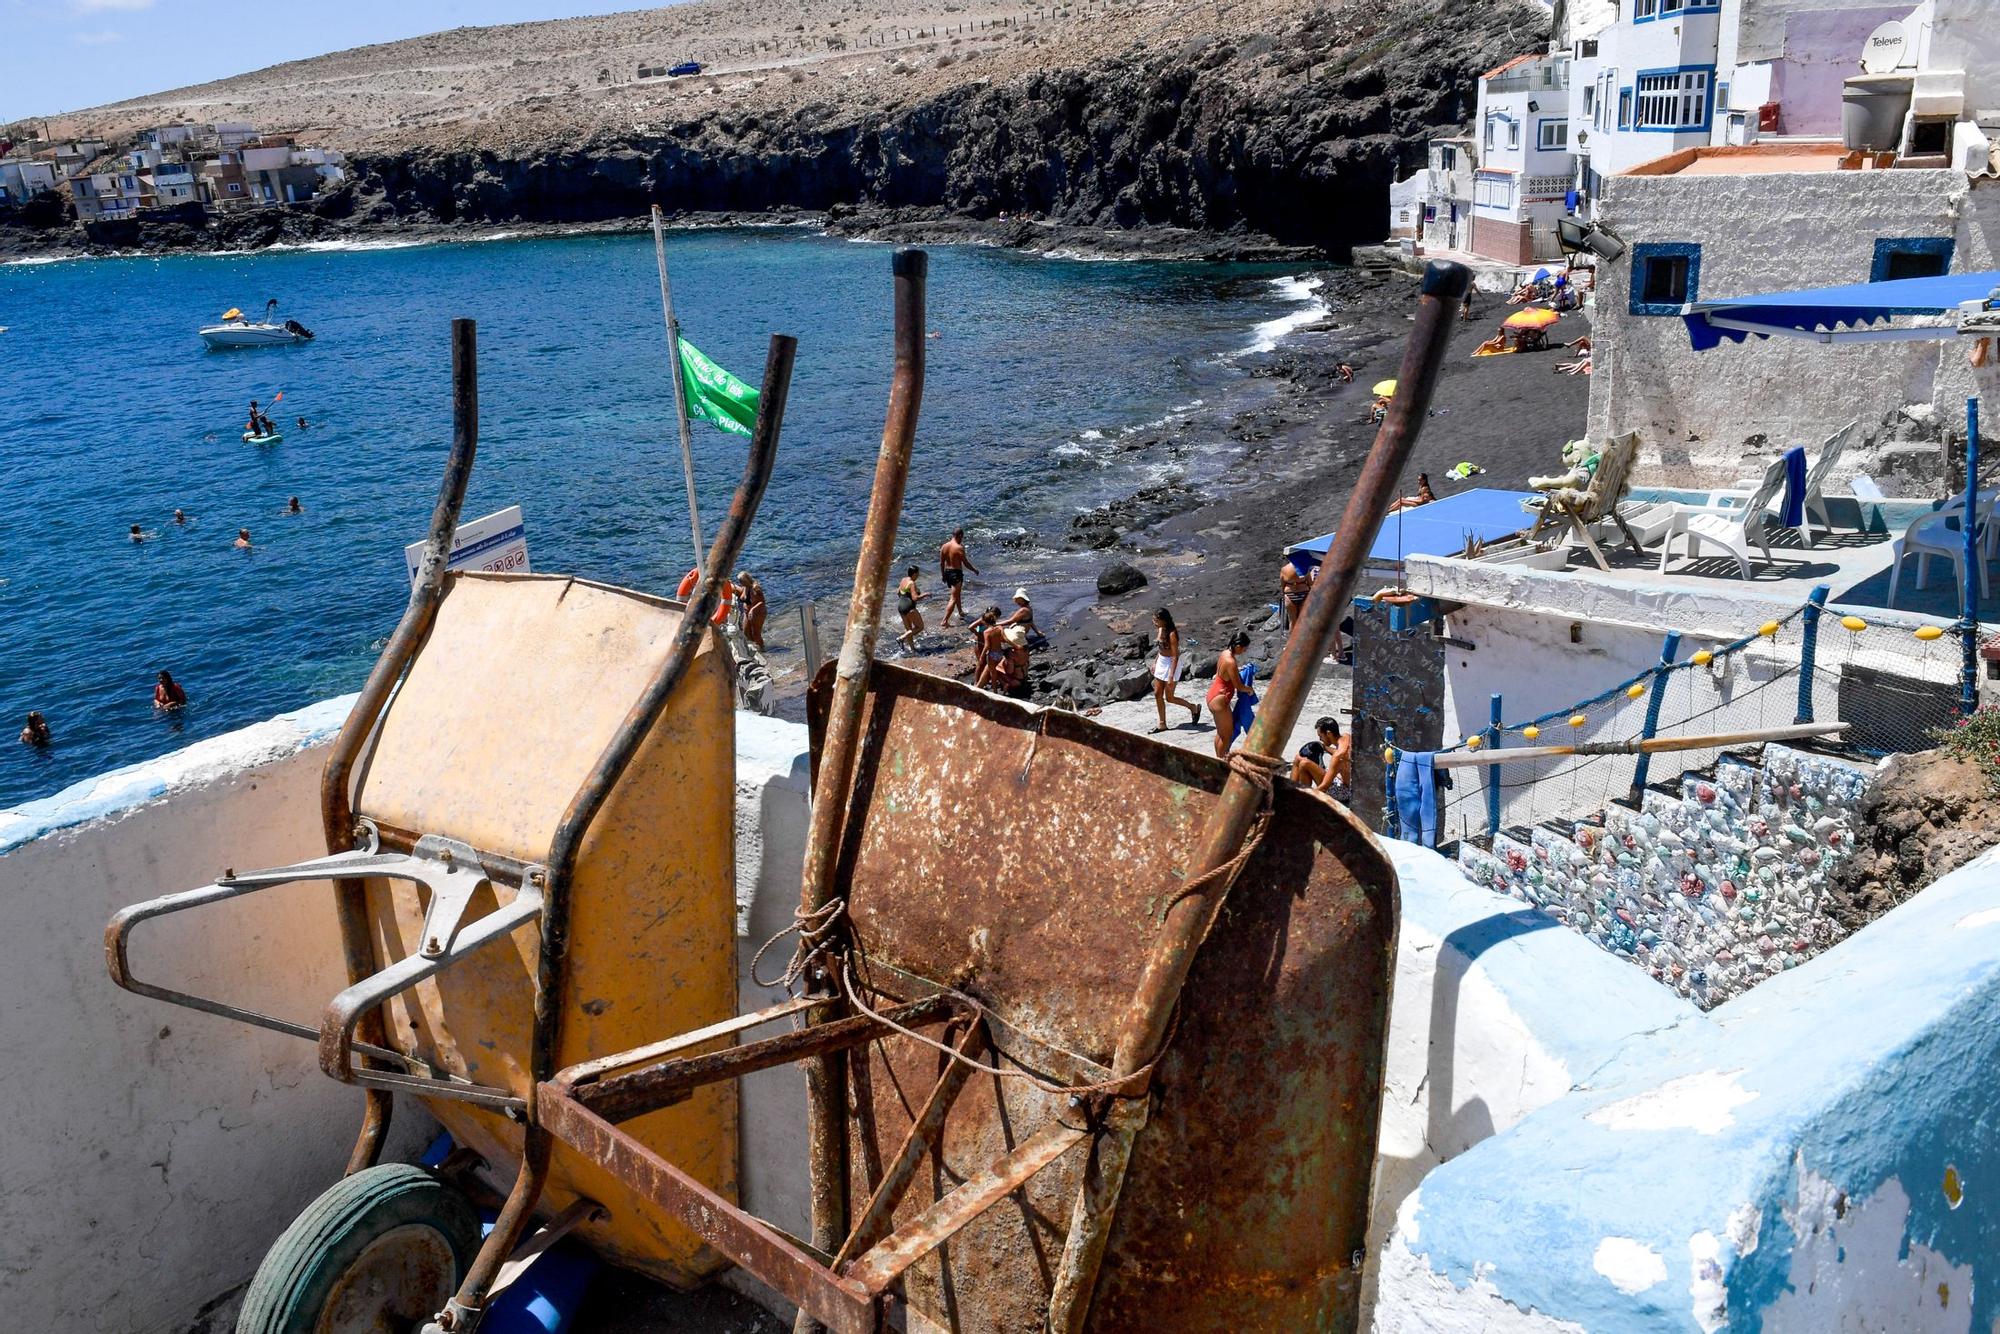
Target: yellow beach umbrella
{"points": [[1534, 317], [1384, 389]]}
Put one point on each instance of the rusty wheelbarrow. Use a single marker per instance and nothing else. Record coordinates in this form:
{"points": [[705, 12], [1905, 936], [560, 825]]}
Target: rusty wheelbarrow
{"points": [[530, 813], [1093, 1028]]}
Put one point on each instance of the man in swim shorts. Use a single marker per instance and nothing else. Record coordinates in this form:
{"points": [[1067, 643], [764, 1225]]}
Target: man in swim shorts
{"points": [[952, 566]]}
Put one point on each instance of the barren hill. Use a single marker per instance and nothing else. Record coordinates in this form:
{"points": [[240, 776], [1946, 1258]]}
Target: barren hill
{"points": [[1280, 118]]}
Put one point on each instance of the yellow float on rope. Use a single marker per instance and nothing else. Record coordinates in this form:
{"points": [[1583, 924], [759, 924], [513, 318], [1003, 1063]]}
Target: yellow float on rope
{"points": [[1388, 754], [1577, 720], [1474, 742], [1702, 658], [1530, 732], [1636, 689], [1768, 629], [1854, 623], [1929, 632]]}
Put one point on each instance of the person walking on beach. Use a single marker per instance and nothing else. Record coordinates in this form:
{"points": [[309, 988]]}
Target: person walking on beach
{"points": [[1222, 693], [953, 564], [1326, 763], [755, 609], [1167, 668], [242, 542], [167, 693], [908, 595], [36, 733], [1293, 586]]}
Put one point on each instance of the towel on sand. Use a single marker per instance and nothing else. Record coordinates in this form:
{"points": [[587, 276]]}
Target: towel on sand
{"points": [[1416, 799], [1793, 512]]}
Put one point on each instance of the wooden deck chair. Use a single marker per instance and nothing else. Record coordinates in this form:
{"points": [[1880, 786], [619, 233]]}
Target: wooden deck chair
{"points": [[1600, 500]]}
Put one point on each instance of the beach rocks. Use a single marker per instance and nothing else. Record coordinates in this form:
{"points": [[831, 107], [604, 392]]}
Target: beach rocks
{"points": [[1119, 579], [1132, 683]]}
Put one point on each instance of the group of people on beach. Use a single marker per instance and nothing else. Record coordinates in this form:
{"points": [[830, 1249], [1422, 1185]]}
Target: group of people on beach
{"points": [[1000, 643], [742, 601]]}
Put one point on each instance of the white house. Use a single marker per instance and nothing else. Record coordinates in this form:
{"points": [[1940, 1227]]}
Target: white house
{"points": [[1525, 167], [21, 179]]}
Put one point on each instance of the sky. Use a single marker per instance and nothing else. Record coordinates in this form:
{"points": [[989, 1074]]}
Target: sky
{"points": [[63, 55]]}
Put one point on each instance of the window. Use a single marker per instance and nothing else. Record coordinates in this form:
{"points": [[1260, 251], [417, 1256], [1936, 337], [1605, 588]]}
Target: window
{"points": [[1513, 134], [1590, 99], [1911, 257], [1666, 275], [1643, 10], [1670, 7], [1447, 159], [1587, 49], [1490, 123], [1552, 136], [236, 187], [1673, 100], [1624, 108]]}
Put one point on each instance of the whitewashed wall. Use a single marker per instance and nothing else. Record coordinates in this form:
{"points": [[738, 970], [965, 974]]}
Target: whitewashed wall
{"points": [[1697, 413]]}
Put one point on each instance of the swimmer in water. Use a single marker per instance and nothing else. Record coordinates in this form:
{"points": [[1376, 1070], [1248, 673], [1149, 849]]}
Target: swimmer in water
{"points": [[304, 425], [167, 693], [242, 542], [294, 507], [137, 536], [180, 518], [36, 733]]}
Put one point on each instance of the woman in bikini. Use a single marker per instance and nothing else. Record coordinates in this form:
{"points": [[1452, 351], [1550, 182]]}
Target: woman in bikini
{"points": [[1167, 668], [1222, 694], [907, 598]]}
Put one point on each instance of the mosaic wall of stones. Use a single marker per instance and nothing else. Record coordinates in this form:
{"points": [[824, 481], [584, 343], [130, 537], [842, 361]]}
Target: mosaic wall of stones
{"points": [[1711, 891]]}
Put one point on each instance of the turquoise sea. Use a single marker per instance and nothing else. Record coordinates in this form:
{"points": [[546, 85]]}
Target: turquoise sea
{"points": [[113, 413]]}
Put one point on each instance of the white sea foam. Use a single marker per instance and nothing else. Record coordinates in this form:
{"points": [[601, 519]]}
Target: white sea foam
{"points": [[1092, 435], [41, 259], [1266, 336]]}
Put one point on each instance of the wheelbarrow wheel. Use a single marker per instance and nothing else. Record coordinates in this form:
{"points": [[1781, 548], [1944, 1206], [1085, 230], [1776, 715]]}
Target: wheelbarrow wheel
{"points": [[379, 1253]]}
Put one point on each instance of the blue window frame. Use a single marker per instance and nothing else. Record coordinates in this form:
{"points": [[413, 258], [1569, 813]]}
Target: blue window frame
{"points": [[1645, 11], [1674, 101], [1624, 108], [1666, 275], [1911, 257]]}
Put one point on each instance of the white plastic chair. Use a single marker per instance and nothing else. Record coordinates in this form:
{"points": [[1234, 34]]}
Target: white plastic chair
{"points": [[1733, 530], [1817, 471], [1940, 534]]}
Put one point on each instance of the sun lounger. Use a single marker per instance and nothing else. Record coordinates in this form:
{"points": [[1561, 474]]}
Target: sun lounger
{"points": [[1817, 471], [1733, 530], [1600, 500]]}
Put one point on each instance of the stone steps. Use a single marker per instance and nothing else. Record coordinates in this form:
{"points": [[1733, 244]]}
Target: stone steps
{"points": [[1712, 884]]}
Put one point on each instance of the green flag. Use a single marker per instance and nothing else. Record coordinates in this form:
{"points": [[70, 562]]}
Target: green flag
{"points": [[714, 395]]}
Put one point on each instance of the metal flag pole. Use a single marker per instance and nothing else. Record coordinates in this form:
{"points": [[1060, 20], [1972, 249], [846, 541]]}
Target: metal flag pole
{"points": [[680, 385]]}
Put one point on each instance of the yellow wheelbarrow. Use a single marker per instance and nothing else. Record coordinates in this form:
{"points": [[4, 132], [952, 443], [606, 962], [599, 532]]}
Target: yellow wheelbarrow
{"points": [[530, 817]]}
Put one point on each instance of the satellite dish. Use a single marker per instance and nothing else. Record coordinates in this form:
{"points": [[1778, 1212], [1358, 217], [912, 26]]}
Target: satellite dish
{"points": [[1885, 49]]}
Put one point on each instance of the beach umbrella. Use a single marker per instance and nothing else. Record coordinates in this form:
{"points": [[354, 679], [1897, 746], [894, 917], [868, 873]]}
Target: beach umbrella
{"points": [[1384, 389], [1532, 318]]}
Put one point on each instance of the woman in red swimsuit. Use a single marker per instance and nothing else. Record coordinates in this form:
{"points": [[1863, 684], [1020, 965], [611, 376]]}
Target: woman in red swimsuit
{"points": [[1222, 694]]}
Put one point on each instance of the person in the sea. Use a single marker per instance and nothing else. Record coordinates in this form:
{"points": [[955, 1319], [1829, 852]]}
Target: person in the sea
{"points": [[1222, 692], [180, 518], [36, 733], [755, 610], [167, 692], [953, 565], [1424, 495], [1326, 763], [259, 423], [242, 542], [908, 595], [304, 425], [293, 507], [137, 535], [1167, 668]]}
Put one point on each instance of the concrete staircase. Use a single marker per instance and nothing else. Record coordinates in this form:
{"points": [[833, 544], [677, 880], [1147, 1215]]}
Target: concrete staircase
{"points": [[1714, 883]]}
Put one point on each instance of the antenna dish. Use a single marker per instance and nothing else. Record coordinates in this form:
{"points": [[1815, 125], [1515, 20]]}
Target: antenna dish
{"points": [[1885, 49]]}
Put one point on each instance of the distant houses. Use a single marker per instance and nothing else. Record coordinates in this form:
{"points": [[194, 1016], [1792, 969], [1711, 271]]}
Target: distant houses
{"points": [[217, 168]]}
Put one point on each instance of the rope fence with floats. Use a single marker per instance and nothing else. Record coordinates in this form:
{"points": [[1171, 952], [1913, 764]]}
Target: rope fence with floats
{"points": [[1648, 690]]}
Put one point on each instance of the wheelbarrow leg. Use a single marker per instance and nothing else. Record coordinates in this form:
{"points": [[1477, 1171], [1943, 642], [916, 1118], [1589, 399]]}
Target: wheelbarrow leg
{"points": [[467, 1307]]}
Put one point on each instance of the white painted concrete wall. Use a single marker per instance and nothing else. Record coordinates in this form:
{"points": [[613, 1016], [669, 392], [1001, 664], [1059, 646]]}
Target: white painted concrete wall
{"points": [[1700, 415], [151, 1153]]}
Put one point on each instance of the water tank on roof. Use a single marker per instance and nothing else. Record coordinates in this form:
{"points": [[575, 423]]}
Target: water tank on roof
{"points": [[1872, 108]]}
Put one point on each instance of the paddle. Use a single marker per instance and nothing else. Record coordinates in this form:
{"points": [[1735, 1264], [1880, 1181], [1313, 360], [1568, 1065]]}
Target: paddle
{"points": [[276, 399]]}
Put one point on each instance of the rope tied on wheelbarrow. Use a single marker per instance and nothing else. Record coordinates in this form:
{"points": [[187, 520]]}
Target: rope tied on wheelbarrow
{"points": [[817, 940]]}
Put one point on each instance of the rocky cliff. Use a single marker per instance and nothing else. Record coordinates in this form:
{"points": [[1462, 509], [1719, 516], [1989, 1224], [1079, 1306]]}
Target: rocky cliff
{"points": [[1282, 135]]}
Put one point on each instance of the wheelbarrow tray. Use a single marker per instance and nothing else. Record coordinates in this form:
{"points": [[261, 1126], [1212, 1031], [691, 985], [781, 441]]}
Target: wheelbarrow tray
{"points": [[506, 708], [1026, 857]]}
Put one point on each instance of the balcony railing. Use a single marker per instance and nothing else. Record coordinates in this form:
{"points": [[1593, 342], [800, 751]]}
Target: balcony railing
{"points": [[1552, 78]]}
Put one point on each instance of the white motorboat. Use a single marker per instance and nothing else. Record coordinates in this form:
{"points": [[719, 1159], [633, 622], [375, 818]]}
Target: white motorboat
{"points": [[236, 330]]}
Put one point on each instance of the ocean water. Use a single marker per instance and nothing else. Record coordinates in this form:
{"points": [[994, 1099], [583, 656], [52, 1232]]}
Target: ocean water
{"points": [[113, 413]]}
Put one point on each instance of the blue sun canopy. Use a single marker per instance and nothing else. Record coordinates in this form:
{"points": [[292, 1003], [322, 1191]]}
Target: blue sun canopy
{"points": [[1847, 314]]}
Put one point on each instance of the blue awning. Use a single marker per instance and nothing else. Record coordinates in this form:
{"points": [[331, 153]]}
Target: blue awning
{"points": [[1440, 528], [1841, 314]]}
